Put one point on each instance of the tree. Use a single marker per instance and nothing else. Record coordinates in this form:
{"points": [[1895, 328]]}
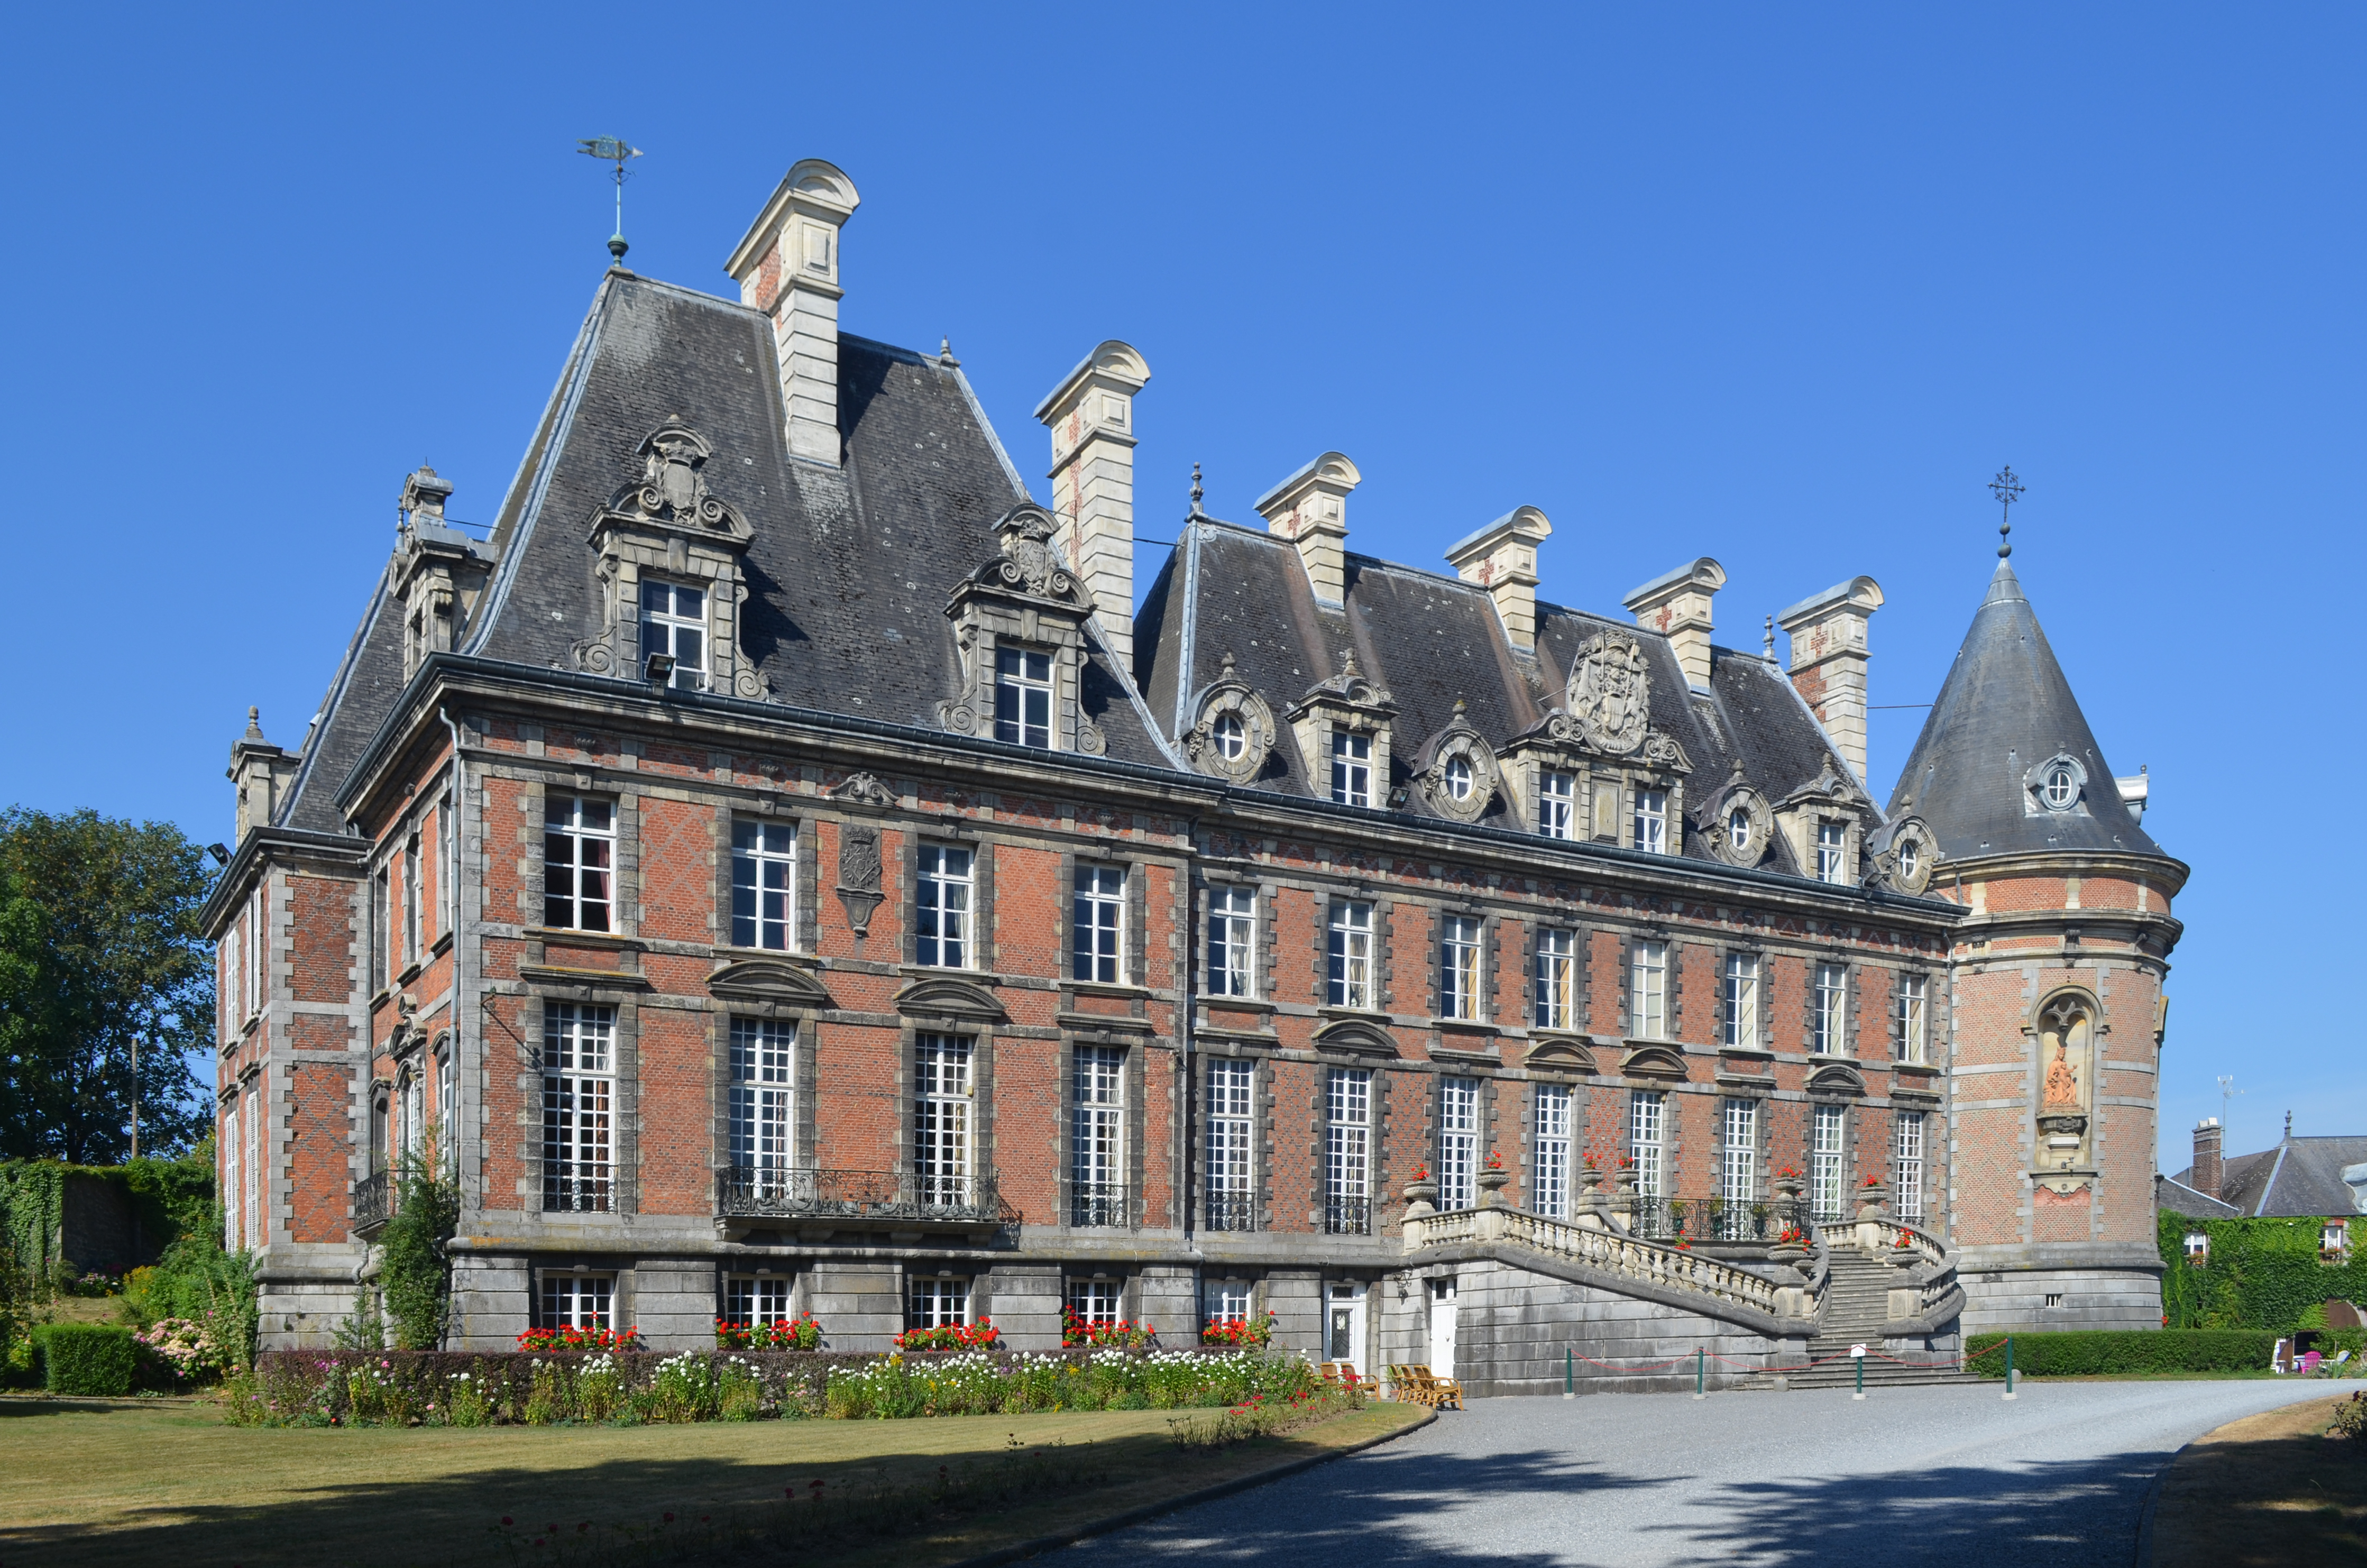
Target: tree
{"points": [[101, 965]]}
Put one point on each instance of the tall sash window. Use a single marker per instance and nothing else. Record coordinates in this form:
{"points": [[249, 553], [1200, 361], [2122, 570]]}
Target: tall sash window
{"points": [[578, 1107], [1348, 1152], [1826, 1150], [1648, 1141], [1096, 1146], [943, 1147], [764, 1111], [1552, 1154], [1231, 1203], [1458, 1143]]}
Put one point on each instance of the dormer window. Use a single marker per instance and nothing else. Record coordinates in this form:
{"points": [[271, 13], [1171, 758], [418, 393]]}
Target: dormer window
{"points": [[2061, 788], [1910, 858], [1230, 735], [1458, 777], [1737, 829], [1023, 696], [1833, 851], [1351, 769], [1652, 821], [1557, 805], [674, 624]]}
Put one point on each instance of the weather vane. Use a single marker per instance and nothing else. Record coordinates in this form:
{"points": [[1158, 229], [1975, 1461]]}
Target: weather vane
{"points": [[615, 149], [2008, 490]]}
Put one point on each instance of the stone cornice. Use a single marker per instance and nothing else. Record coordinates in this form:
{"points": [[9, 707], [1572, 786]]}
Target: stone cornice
{"points": [[247, 862], [2168, 874]]}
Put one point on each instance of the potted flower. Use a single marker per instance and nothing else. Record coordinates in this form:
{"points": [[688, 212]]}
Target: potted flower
{"points": [[1492, 1177], [1421, 1194], [1623, 1176], [1789, 1183], [1872, 1194], [1589, 1171]]}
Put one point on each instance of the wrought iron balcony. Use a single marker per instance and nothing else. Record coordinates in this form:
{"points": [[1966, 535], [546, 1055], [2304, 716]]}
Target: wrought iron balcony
{"points": [[1714, 1219], [1099, 1203], [1348, 1216], [373, 1201], [1232, 1212], [901, 1199]]}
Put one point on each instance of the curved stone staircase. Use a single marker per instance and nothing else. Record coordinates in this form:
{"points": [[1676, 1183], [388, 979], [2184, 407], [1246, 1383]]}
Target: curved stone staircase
{"points": [[1857, 1311]]}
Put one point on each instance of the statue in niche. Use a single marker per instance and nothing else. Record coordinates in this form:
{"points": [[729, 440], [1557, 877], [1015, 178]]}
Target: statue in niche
{"points": [[2068, 1027], [2062, 1083]]}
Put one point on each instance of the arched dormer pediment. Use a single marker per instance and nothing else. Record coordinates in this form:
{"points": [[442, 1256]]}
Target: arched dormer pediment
{"points": [[769, 981], [1358, 1037], [1653, 1062], [1027, 563], [1837, 1078], [944, 997], [1019, 627], [1559, 1053], [1346, 704], [1234, 731]]}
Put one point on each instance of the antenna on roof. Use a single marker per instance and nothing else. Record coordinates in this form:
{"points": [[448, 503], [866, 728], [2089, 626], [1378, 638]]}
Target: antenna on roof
{"points": [[616, 150], [2008, 490], [2228, 1091]]}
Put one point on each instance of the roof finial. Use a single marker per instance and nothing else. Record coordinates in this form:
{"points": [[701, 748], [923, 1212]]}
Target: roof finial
{"points": [[946, 353], [617, 150], [1196, 490], [2288, 1127], [1348, 663], [255, 724], [2008, 490], [1771, 638]]}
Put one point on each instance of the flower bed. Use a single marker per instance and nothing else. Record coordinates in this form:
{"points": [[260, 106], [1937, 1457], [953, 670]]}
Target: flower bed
{"points": [[427, 1387]]}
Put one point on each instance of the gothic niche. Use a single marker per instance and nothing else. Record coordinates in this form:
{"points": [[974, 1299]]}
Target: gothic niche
{"points": [[1019, 619], [2067, 1031], [1235, 731], [1457, 772]]}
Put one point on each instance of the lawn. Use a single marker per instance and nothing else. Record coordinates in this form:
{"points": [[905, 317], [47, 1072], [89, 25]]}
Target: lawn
{"points": [[2265, 1491], [93, 1482]]}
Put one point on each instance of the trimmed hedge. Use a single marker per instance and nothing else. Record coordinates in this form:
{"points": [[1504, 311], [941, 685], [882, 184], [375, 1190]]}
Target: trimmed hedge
{"points": [[2089, 1352], [86, 1358]]}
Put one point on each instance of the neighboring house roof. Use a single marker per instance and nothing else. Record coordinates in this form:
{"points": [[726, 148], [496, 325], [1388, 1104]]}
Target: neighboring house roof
{"points": [[850, 567], [2300, 1176], [2170, 1193], [1431, 641], [2004, 709]]}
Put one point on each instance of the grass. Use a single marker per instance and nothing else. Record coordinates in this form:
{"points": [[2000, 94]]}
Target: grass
{"points": [[92, 1481], [2265, 1491]]}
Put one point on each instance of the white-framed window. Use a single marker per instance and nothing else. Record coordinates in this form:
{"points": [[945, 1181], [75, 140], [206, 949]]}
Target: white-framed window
{"points": [[1914, 1017], [1232, 1204], [937, 1302], [448, 871], [1096, 1302], [2198, 1248], [1652, 821], [1908, 1160], [1832, 844], [1555, 979], [1648, 991], [233, 1237], [943, 1145], [1909, 856], [1350, 978], [1554, 1130], [1096, 1147], [1458, 966], [943, 898], [1828, 1011], [578, 1107], [578, 1301], [1458, 777], [2333, 1238], [251, 1168], [579, 845], [753, 1298], [1648, 1141], [1232, 941], [1232, 736], [2061, 788], [258, 949], [381, 922], [763, 884], [411, 899], [1348, 1152], [1738, 827], [1352, 769], [447, 1111], [1737, 1154], [1023, 696], [673, 622], [763, 1103], [1737, 1008], [414, 1114], [1827, 1145], [1098, 933], [1227, 1301], [1556, 805], [1458, 1143]]}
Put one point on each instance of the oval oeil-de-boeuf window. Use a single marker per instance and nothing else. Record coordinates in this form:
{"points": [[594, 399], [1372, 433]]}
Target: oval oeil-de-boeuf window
{"points": [[2061, 788], [1458, 777], [1738, 827], [1908, 859]]}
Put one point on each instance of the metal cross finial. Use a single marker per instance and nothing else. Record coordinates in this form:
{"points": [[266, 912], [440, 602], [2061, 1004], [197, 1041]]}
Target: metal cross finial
{"points": [[2008, 490], [1196, 490], [617, 150]]}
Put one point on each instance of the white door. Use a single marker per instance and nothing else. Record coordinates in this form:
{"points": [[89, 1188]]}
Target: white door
{"points": [[1442, 1327], [1343, 1326]]}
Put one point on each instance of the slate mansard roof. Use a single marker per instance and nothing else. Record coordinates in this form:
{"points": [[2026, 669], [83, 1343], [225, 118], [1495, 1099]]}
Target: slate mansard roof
{"points": [[2300, 1176], [2004, 711], [1429, 640], [849, 569]]}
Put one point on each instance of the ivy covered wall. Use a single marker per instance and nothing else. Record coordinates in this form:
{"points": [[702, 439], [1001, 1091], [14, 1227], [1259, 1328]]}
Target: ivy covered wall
{"points": [[160, 1198], [2260, 1273]]}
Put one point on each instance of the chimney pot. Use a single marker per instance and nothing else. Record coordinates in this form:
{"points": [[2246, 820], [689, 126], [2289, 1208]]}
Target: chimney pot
{"points": [[2208, 1166], [1091, 416], [1676, 604], [1829, 656], [1502, 558], [1310, 510], [787, 266]]}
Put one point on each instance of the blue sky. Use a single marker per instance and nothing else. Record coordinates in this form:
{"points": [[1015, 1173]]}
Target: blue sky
{"points": [[1782, 286]]}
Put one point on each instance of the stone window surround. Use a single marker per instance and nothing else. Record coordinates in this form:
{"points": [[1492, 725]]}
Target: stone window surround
{"points": [[806, 915], [804, 1067], [1132, 1120], [624, 1071], [1261, 1097]]}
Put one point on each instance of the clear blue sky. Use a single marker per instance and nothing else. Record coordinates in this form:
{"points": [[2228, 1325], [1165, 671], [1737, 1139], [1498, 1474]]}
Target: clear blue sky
{"points": [[1780, 285]]}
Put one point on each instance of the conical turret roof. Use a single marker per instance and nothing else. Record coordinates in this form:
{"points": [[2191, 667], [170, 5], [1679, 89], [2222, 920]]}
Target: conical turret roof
{"points": [[1979, 771]]}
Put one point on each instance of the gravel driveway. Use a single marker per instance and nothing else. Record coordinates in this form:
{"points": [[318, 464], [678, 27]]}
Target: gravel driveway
{"points": [[1910, 1476]]}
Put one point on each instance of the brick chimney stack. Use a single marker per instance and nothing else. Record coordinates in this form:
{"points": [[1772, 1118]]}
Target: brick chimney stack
{"points": [[2207, 1169], [1828, 633], [1091, 414], [786, 265]]}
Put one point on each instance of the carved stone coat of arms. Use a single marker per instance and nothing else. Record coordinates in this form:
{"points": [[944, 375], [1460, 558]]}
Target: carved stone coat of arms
{"points": [[1609, 693]]}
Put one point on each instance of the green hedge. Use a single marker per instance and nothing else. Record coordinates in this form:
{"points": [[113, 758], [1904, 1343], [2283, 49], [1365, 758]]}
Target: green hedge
{"points": [[2087, 1352], [86, 1358]]}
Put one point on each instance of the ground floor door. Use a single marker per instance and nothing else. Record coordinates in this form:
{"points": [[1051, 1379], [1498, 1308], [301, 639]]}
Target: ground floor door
{"points": [[1442, 1327], [1343, 1324]]}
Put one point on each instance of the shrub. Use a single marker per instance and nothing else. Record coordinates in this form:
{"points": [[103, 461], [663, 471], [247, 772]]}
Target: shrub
{"points": [[2091, 1352], [2350, 1419], [181, 1351], [418, 1277], [86, 1358], [801, 1333]]}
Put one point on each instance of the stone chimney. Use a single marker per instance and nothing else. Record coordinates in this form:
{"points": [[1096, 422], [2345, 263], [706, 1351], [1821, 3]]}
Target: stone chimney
{"points": [[1091, 418], [2207, 1169], [1828, 633], [261, 772], [1677, 603], [786, 266], [1503, 559], [1310, 510]]}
